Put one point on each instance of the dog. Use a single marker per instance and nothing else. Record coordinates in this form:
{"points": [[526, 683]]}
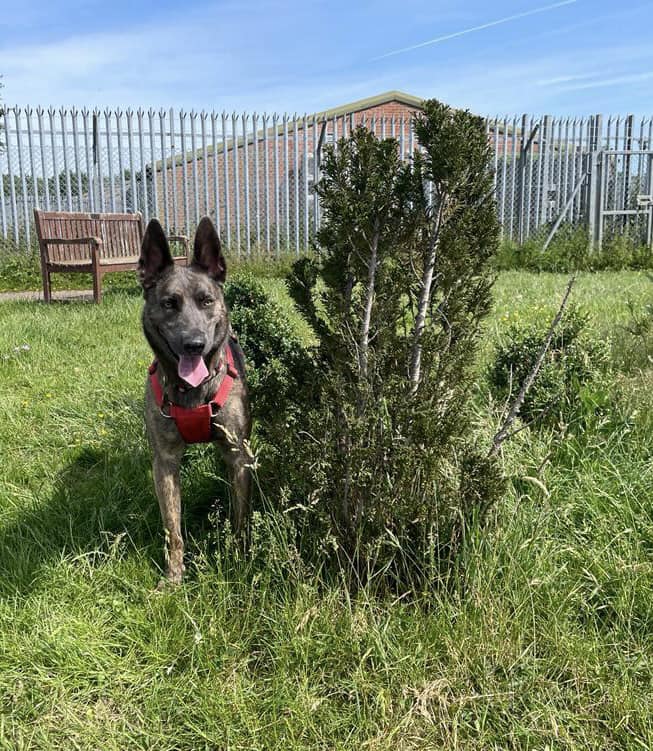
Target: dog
{"points": [[196, 389]]}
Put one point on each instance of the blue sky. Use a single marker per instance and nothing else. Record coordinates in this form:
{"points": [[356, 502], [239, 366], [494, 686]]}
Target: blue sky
{"points": [[508, 56]]}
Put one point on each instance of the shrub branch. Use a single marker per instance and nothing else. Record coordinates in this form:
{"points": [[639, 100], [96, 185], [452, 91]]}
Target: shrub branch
{"points": [[426, 292], [369, 300]]}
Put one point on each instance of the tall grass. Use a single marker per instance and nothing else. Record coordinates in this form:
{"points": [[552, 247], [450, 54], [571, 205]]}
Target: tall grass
{"points": [[549, 646]]}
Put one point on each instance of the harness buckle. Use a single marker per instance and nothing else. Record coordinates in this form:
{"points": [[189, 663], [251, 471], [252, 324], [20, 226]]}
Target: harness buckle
{"points": [[162, 413]]}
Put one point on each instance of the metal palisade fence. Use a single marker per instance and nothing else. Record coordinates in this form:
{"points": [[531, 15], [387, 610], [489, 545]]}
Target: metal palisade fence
{"points": [[594, 172], [254, 174]]}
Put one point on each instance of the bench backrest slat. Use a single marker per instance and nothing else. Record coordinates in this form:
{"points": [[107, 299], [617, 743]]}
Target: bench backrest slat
{"points": [[121, 234]]}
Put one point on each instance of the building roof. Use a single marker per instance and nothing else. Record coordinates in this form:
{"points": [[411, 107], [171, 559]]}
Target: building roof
{"points": [[373, 101]]}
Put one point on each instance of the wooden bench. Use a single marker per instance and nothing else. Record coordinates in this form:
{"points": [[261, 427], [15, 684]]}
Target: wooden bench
{"points": [[95, 243]]}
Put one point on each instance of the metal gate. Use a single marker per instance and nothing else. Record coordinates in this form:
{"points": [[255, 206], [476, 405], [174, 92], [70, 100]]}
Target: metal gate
{"points": [[624, 184]]}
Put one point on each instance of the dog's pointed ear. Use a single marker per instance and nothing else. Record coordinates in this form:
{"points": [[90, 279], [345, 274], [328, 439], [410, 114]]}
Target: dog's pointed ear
{"points": [[207, 251], [155, 254]]}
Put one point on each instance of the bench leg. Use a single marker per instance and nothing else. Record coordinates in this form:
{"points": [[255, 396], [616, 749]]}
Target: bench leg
{"points": [[47, 286], [97, 284], [47, 282]]}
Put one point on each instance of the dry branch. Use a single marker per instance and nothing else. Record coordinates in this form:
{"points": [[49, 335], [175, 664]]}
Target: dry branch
{"points": [[504, 431]]}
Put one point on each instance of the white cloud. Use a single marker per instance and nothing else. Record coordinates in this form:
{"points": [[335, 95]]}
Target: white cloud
{"points": [[564, 79], [622, 80], [481, 27]]}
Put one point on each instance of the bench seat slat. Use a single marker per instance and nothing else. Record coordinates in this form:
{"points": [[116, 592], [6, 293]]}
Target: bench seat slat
{"points": [[127, 263]]}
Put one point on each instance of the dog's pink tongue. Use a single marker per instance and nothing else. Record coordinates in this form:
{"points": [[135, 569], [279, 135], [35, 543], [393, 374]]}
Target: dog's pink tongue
{"points": [[192, 369]]}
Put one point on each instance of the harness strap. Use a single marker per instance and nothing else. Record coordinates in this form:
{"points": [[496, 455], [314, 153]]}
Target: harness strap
{"points": [[195, 423]]}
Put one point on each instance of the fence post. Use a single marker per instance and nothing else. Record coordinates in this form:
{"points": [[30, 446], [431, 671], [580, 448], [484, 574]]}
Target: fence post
{"points": [[22, 172], [527, 139], [10, 175], [545, 149], [522, 178], [649, 231], [595, 199], [3, 214], [628, 145]]}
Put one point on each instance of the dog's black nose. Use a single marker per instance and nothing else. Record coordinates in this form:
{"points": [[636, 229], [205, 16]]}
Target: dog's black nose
{"points": [[194, 345]]}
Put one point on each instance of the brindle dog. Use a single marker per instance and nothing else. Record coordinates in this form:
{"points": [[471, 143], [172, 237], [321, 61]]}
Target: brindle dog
{"points": [[186, 322]]}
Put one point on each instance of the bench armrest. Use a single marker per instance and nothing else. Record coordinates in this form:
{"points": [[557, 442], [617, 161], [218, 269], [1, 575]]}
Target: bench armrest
{"points": [[72, 241], [93, 242]]}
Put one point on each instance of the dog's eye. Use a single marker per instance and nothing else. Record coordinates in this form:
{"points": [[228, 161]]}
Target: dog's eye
{"points": [[206, 301], [169, 303]]}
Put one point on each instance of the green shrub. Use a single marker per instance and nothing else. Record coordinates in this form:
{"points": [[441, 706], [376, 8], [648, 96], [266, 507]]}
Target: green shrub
{"points": [[570, 250], [19, 270], [279, 363], [261, 264], [569, 380], [384, 460]]}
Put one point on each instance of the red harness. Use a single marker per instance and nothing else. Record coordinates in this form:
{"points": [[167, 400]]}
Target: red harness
{"points": [[194, 424]]}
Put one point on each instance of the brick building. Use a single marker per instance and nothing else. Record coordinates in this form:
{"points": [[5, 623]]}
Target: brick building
{"points": [[254, 174]]}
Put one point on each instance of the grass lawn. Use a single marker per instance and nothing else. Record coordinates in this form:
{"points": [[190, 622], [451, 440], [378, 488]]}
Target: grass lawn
{"points": [[551, 646]]}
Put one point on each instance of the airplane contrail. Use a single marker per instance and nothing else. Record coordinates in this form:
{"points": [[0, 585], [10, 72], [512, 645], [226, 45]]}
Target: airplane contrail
{"points": [[477, 28]]}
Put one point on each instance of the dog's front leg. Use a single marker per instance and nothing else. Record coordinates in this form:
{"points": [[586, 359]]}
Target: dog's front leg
{"points": [[241, 484], [239, 459], [166, 482]]}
